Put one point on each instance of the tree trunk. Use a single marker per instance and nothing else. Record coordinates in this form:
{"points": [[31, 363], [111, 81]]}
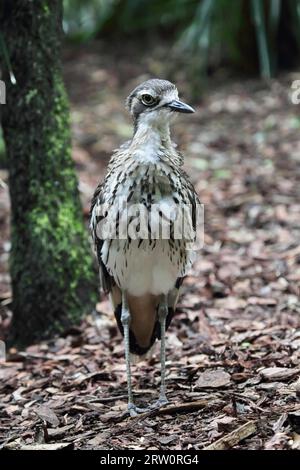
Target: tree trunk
{"points": [[53, 279]]}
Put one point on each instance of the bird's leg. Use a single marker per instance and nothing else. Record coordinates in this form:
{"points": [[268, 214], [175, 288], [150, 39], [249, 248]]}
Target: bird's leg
{"points": [[125, 319], [162, 316]]}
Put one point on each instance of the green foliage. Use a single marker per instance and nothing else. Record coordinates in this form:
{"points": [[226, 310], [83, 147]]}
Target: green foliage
{"points": [[209, 31], [84, 19], [261, 36]]}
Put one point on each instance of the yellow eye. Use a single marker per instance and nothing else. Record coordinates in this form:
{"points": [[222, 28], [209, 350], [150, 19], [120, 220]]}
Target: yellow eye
{"points": [[148, 100]]}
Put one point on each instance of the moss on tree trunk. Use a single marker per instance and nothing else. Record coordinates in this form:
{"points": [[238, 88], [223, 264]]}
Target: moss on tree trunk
{"points": [[53, 279]]}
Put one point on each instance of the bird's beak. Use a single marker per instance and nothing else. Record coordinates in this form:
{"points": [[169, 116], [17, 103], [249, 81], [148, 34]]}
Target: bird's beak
{"points": [[180, 107]]}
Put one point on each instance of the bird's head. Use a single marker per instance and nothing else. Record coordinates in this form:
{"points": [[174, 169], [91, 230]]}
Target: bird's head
{"points": [[154, 102]]}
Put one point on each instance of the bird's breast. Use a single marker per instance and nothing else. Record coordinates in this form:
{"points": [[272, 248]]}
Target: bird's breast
{"points": [[144, 266], [142, 203]]}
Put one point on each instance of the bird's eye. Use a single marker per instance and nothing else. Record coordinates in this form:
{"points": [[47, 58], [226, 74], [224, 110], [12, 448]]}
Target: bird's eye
{"points": [[148, 100]]}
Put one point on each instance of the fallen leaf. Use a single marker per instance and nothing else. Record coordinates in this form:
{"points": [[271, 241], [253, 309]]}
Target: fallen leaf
{"points": [[225, 423], [59, 431], [213, 379], [278, 373], [231, 303], [99, 439], [48, 415], [166, 439]]}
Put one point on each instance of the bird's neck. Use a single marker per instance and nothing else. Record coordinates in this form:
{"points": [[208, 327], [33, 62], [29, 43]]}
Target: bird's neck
{"points": [[155, 134]]}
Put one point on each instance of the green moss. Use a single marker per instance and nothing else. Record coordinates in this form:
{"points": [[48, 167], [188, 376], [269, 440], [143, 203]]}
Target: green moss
{"points": [[53, 276]]}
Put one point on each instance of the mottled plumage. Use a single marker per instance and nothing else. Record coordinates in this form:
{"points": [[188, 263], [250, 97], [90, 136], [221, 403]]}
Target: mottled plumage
{"points": [[146, 171]]}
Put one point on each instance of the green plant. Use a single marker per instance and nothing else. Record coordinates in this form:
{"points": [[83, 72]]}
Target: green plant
{"points": [[218, 25], [209, 31]]}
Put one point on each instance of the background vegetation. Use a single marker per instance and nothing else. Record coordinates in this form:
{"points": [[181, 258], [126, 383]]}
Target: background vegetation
{"points": [[257, 37], [253, 35]]}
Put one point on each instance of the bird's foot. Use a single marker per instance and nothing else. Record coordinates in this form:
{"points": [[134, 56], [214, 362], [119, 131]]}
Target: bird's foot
{"points": [[162, 401], [134, 410]]}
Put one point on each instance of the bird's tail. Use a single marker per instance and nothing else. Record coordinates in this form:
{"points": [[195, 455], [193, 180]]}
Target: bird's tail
{"points": [[144, 324]]}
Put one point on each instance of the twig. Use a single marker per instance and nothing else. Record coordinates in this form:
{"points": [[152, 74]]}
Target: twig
{"points": [[248, 401], [234, 437], [172, 409], [108, 399]]}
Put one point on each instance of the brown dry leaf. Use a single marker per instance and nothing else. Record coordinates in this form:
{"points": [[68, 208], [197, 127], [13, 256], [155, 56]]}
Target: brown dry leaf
{"points": [[278, 373], [213, 379], [99, 439], [59, 431], [48, 415], [166, 439], [12, 409], [7, 373], [231, 303], [110, 416], [225, 423]]}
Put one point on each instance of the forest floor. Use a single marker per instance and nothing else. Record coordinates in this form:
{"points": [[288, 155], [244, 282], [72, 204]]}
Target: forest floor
{"points": [[233, 359]]}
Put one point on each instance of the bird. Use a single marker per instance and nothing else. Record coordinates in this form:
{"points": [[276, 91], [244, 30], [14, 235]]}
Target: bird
{"points": [[144, 190]]}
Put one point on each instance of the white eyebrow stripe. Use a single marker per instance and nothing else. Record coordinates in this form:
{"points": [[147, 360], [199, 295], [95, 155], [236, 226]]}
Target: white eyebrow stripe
{"points": [[168, 97], [147, 92]]}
